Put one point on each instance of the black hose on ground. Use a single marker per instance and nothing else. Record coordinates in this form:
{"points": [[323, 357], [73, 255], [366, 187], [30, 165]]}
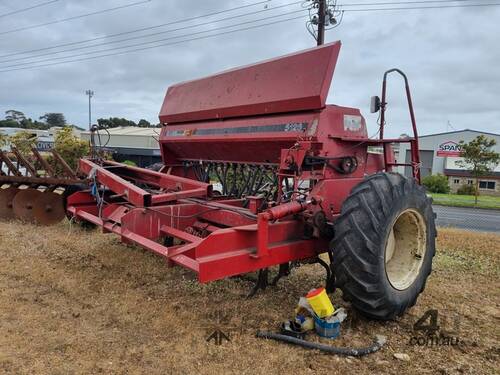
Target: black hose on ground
{"points": [[377, 344]]}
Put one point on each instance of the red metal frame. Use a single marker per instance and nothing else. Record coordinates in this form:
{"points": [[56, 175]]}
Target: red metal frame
{"points": [[414, 148], [271, 114]]}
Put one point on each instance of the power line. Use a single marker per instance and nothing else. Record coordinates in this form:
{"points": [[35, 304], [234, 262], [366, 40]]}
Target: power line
{"points": [[16, 67], [28, 8], [151, 34], [202, 16], [141, 29], [420, 7], [406, 2], [153, 41], [335, 12], [74, 17], [160, 45]]}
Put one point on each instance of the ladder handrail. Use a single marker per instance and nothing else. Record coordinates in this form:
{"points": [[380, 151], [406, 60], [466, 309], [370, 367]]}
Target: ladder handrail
{"points": [[415, 154]]}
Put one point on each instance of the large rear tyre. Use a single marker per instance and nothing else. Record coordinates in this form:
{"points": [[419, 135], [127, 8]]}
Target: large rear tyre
{"points": [[384, 244]]}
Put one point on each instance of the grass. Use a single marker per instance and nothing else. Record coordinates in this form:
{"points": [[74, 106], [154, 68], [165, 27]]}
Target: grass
{"points": [[456, 200], [76, 301]]}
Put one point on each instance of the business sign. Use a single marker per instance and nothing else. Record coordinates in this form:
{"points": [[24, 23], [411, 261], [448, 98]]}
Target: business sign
{"points": [[449, 148], [44, 145]]}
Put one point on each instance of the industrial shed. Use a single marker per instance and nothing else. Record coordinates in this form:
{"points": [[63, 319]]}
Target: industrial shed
{"points": [[136, 144], [440, 152]]}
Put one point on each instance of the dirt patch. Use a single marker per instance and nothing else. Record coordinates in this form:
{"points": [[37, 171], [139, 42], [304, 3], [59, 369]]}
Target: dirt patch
{"points": [[75, 301]]}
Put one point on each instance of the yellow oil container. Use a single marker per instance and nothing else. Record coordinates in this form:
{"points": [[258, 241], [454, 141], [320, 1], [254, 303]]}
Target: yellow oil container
{"points": [[320, 302]]}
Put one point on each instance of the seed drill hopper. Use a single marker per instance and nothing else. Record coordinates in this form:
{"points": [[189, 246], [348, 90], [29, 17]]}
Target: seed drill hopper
{"points": [[259, 171]]}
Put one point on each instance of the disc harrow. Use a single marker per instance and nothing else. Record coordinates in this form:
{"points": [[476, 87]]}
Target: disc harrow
{"points": [[32, 189]]}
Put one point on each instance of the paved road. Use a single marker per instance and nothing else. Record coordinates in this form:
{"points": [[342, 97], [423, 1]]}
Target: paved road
{"points": [[468, 218]]}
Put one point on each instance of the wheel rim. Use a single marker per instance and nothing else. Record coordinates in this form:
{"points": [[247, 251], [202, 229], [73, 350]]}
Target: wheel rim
{"points": [[405, 249]]}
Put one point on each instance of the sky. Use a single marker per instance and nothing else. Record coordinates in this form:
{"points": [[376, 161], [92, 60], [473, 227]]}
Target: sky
{"points": [[451, 57]]}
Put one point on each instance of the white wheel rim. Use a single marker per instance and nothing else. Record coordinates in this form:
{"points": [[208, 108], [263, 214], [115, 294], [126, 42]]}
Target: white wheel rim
{"points": [[405, 249]]}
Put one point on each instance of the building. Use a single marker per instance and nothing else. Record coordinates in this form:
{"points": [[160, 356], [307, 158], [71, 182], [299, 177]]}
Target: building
{"points": [[439, 153], [136, 144], [44, 138]]}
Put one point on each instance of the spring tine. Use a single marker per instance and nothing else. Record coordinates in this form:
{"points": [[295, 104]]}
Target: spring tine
{"points": [[216, 171], [225, 185], [255, 170], [204, 172], [207, 172], [244, 180], [260, 180], [197, 172], [233, 178], [251, 173]]}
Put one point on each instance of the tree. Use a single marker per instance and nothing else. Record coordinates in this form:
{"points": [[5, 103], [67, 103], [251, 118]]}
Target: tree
{"points": [[70, 147], [23, 141], [28, 123], [14, 115], [8, 124], [114, 122], [478, 158], [25, 123], [54, 119], [144, 123]]}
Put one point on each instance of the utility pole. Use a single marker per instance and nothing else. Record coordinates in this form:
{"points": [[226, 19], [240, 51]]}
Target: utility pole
{"points": [[321, 22], [90, 93]]}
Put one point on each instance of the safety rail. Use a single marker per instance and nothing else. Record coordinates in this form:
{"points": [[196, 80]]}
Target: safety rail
{"points": [[414, 148]]}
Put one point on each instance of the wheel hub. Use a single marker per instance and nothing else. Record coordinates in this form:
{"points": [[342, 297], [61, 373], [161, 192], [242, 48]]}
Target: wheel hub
{"points": [[405, 248]]}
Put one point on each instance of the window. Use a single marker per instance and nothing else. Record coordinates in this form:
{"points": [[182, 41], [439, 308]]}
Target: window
{"points": [[456, 181], [489, 185], [470, 182]]}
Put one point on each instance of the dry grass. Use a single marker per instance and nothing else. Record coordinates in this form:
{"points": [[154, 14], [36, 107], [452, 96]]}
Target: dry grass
{"points": [[82, 302]]}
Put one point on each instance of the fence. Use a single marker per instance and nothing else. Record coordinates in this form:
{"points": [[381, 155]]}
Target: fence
{"points": [[467, 218]]}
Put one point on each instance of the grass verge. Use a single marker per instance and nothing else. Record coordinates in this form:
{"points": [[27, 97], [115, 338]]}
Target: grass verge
{"points": [[456, 200]]}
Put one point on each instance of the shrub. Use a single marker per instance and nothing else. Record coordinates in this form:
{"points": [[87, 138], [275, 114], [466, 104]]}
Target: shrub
{"points": [[3, 139], [23, 141], [70, 147], [436, 183], [129, 162], [466, 189]]}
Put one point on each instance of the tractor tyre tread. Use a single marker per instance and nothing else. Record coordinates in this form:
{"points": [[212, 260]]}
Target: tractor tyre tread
{"points": [[359, 244]]}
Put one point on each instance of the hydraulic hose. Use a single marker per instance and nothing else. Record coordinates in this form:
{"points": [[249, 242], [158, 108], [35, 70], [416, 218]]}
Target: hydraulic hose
{"points": [[377, 344]]}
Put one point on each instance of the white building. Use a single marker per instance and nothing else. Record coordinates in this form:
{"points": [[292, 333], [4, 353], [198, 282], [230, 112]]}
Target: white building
{"points": [[136, 144], [440, 152], [45, 138]]}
